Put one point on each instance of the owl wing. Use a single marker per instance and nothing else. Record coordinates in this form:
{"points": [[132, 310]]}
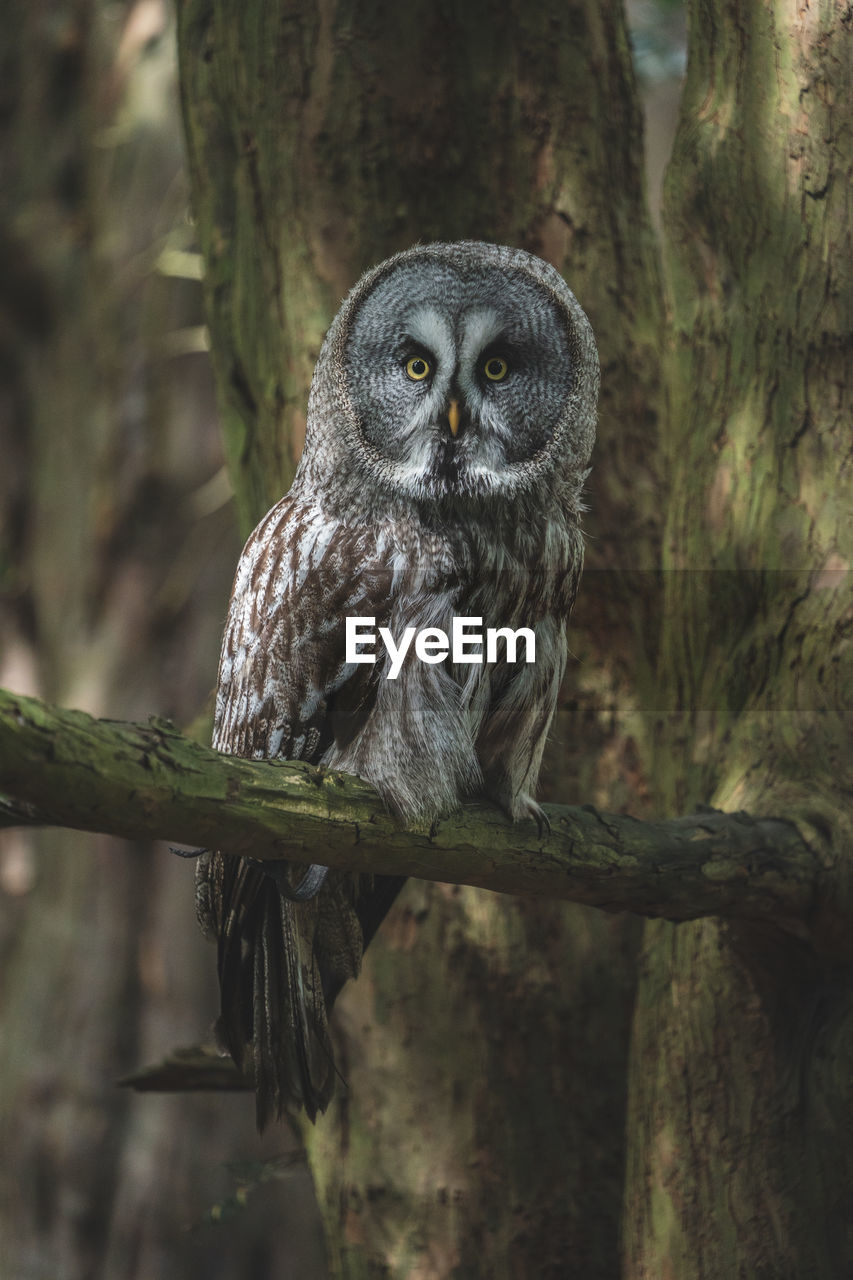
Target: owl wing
{"points": [[512, 737], [282, 963]]}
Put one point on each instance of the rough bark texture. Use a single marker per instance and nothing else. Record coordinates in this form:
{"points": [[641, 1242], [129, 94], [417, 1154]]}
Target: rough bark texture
{"points": [[741, 1141], [64, 768], [321, 139]]}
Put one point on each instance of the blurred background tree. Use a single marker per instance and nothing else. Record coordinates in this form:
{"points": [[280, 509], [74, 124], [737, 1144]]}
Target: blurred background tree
{"points": [[118, 546]]}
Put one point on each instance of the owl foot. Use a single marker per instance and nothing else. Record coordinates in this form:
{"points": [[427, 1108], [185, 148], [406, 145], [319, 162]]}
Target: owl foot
{"points": [[524, 806]]}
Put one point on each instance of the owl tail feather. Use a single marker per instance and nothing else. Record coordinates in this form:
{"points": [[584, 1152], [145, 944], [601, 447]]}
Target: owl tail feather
{"points": [[293, 1060], [273, 1010], [282, 964]]}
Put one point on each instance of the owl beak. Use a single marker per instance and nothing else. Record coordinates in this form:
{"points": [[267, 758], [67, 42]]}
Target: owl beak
{"points": [[453, 417]]}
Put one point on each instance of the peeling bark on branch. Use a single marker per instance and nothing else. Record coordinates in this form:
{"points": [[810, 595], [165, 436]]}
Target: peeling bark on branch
{"points": [[65, 768]]}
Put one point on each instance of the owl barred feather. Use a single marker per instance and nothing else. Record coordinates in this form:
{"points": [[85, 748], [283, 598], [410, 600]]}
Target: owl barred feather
{"points": [[450, 424]]}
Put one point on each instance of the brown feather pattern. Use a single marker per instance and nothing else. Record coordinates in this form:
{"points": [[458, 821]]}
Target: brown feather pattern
{"points": [[389, 519]]}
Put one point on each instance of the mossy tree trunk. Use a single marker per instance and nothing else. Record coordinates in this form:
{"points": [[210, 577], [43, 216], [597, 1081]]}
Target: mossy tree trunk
{"points": [[481, 1128], [740, 1124], [486, 1047]]}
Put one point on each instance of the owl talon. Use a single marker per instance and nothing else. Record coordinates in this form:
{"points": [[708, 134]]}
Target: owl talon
{"points": [[527, 808], [543, 822]]}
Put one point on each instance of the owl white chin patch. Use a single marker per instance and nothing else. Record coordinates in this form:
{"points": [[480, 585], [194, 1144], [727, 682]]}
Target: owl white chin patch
{"points": [[424, 484]]}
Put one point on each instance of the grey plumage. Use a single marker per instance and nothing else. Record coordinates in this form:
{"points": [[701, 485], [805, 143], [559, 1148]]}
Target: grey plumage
{"points": [[399, 515]]}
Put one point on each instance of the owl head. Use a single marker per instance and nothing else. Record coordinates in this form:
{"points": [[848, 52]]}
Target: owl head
{"points": [[452, 373]]}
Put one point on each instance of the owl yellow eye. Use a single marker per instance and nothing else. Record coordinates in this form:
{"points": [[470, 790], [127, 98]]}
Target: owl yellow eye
{"points": [[495, 369], [417, 368]]}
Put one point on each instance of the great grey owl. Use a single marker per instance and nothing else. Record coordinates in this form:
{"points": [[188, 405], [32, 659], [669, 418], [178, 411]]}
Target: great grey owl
{"points": [[450, 423]]}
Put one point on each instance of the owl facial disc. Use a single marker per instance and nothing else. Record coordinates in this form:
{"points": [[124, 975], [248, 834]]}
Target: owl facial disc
{"points": [[460, 377]]}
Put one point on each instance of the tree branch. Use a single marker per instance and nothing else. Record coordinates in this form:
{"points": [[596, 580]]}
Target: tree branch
{"points": [[147, 781]]}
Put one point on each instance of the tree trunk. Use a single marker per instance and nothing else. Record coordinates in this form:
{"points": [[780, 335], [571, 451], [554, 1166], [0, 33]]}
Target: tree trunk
{"points": [[480, 1128], [114, 587], [741, 1145]]}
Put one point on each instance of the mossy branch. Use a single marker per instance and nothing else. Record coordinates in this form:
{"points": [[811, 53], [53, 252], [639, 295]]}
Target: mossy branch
{"points": [[65, 768]]}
